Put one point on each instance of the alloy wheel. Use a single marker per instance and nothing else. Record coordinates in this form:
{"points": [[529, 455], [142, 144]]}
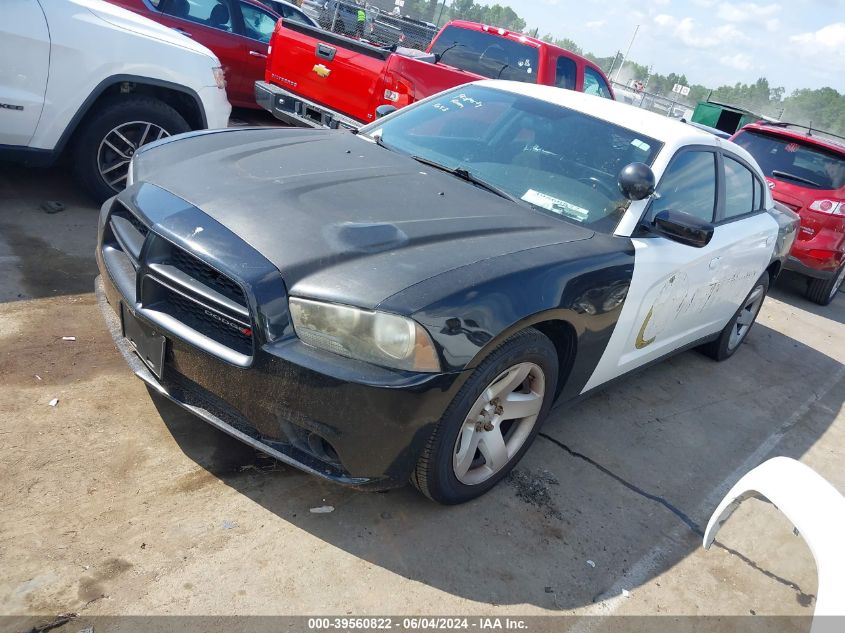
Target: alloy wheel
{"points": [[745, 319], [498, 423], [119, 145]]}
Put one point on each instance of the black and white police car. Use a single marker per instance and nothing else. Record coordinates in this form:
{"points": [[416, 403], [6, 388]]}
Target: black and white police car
{"points": [[407, 302]]}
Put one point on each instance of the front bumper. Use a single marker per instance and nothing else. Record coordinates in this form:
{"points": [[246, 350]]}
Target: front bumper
{"points": [[217, 107], [343, 420], [299, 111]]}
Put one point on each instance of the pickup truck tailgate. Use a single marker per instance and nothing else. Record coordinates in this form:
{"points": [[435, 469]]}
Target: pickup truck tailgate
{"points": [[327, 68]]}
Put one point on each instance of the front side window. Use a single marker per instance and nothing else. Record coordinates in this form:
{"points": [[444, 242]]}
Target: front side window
{"points": [[594, 84], [258, 24], [688, 185], [560, 161], [485, 54], [740, 189], [565, 73], [212, 13]]}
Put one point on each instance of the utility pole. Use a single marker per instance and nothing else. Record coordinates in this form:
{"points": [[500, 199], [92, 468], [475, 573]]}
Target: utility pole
{"points": [[612, 64], [440, 15], [626, 53]]}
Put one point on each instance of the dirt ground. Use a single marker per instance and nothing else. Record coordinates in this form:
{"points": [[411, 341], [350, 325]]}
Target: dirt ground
{"points": [[115, 502]]}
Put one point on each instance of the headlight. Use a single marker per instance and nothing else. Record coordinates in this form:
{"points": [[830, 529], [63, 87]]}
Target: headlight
{"points": [[380, 338], [219, 77]]}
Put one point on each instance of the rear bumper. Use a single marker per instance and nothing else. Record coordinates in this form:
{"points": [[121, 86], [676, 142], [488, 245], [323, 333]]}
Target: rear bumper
{"points": [[796, 265], [295, 110]]}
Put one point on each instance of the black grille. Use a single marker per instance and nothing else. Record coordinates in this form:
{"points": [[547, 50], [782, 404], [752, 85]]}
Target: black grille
{"points": [[205, 274], [221, 329], [139, 226]]}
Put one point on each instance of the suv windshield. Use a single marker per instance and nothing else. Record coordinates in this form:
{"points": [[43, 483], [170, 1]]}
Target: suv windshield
{"points": [[562, 162], [793, 161], [488, 55]]}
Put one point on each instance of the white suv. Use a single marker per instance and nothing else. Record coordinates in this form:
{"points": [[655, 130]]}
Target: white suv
{"points": [[99, 81]]}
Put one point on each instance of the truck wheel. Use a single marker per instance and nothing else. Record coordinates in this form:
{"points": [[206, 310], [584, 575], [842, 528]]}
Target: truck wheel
{"points": [[823, 291], [109, 137], [491, 422], [740, 324]]}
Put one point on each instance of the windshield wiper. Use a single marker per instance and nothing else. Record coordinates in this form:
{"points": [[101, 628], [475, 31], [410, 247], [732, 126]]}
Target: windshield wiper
{"points": [[464, 174], [786, 174]]}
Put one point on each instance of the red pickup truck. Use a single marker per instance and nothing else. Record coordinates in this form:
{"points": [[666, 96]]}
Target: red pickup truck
{"points": [[319, 79]]}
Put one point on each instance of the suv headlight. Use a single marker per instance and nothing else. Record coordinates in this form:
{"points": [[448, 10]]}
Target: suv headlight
{"points": [[380, 338], [130, 172]]}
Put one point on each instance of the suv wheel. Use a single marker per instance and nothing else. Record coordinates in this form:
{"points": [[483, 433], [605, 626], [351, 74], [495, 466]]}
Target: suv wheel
{"points": [[491, 422], [107, 141], [823, 291]]}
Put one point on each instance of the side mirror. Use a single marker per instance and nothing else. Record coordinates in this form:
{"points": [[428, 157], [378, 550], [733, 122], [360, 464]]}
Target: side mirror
{"points": [[636, 181], [384, 110], [683, 228]]}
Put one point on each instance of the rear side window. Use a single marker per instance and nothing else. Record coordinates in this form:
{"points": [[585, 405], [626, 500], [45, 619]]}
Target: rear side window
{"points": [[258, 24], [491, 56], [211, 13], [292, 15], [740, 189], [565, 73], [594, 84], [688, 185]]}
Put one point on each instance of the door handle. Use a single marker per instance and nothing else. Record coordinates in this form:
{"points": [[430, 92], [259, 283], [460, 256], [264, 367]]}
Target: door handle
{"points": [[714, 263], [182, 31], [257, 54]]}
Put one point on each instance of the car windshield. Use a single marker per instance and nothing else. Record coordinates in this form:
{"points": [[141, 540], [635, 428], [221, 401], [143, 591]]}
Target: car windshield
{"points": [[790, 160], [485, 54], [560, 161]]}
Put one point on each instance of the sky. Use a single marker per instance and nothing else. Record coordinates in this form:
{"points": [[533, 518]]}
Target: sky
{"points": [[793, 43]]}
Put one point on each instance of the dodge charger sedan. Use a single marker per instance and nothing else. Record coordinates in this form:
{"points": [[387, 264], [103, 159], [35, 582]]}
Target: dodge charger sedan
{"points": [[408, 301]]}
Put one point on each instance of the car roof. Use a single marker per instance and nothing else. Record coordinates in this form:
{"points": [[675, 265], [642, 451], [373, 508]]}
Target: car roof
{"points": [[799, 133], [671, 132]]}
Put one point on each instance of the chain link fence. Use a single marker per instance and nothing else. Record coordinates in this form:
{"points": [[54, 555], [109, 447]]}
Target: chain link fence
{"points": [[370, 23]]}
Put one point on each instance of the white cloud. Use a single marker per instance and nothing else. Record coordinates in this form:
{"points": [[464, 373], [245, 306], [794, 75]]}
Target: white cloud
{"points": [[689, 33], [831, 37], [740, 61], [596, 24], [746, 12]]}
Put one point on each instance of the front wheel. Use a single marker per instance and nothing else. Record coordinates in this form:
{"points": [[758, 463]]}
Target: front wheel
{"points": [[491, 422], [823, 291], [740, 324], [107, 141]]}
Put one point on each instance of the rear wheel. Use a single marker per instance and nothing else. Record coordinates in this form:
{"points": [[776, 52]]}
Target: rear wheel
{"points": [[737, 329], [491, 422], [823, 291], [107, 141]]}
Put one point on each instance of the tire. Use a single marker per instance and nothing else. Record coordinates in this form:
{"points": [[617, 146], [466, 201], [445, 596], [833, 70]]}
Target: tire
{"points": [[440, 473], [731, 337], [823, 291], [129, 116]]}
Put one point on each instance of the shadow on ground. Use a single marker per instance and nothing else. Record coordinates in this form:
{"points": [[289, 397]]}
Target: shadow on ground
{"points": [[790, 288], [616, 484]]}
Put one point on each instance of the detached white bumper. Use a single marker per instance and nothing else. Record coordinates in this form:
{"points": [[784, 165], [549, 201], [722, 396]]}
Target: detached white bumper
{"points": [[217, 107], [816, 509]]}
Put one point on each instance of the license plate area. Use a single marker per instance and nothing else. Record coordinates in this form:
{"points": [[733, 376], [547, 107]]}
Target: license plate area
{"points": [[148, 343]]}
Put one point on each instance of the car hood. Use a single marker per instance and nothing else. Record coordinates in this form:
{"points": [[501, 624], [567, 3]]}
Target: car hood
{"points": [[342, 218]]}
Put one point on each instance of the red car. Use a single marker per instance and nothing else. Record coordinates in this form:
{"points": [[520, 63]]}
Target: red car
{"points": [[805, 170], [237, 31]]}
